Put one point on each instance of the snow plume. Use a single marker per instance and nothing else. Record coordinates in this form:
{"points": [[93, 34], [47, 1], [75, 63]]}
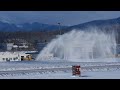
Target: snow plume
{"points": [[87, 45]]}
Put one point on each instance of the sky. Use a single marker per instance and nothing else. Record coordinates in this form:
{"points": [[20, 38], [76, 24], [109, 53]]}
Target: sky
{"points": [[67, 18]]}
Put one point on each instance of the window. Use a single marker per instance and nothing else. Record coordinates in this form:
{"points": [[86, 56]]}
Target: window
{"points": [[7, 59], [10, 58], [3, 58], [14, 58]]}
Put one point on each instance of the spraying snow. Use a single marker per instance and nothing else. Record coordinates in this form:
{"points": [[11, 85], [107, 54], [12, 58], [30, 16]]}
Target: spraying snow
{"points": [[81, 45]]}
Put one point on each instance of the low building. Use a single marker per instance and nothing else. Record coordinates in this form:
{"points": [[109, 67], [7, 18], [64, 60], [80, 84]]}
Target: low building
{"points": [[6, 46], [14, 56], [20, 46], [12, 46]]}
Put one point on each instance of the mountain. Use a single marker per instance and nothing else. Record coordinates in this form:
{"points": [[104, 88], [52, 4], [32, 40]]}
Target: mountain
{"points": [[40, 27], [96, 23], [35, 26]]}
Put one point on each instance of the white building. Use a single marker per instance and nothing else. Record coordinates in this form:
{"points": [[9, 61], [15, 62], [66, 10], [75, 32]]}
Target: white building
{"points": [[14, 56], [10, 46], [7, 46]]}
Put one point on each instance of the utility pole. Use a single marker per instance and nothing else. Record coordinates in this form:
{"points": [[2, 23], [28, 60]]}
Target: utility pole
{"points": [[59, 28]]}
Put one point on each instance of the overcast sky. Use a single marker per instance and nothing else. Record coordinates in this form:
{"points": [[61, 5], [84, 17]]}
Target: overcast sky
{"points": [[53, 17]]}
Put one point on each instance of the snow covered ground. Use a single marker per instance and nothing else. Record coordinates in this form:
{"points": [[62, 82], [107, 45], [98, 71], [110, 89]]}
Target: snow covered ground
{"points": [[87, 75], [64, 75], [58, 70]]}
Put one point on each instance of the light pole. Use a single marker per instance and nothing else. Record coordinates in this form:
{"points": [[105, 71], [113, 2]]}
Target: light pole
{"points": [[59, 28]]}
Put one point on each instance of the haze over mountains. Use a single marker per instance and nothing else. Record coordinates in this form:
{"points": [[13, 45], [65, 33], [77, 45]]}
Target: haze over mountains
{"points": [[97, 23], [36, 26]]}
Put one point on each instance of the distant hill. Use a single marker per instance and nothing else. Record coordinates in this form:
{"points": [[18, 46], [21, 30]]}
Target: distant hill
{"points": [[9, 27], [36, 26], [8, 30], [96, 23]]}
